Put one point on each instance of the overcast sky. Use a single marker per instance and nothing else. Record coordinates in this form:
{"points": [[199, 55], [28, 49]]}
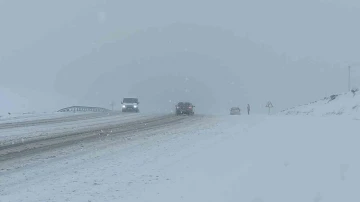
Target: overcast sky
{"points": [[41, 41]]}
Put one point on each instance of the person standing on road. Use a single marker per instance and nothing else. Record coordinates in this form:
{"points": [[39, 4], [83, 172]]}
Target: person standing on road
{"points": [[248, 109]]}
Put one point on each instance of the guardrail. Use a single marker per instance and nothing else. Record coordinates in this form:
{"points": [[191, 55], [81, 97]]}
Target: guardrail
{"points": [[83, 109]]}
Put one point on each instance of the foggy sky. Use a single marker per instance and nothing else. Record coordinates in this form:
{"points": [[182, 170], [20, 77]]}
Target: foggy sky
{"points": [[296, 51]]}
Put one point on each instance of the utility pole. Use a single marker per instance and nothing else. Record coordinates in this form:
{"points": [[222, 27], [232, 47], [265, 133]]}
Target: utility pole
{"points": [[349, 84]]}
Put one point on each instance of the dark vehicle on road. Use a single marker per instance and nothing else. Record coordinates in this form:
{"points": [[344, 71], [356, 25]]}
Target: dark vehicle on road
{"points": [[130, 105], [235, 111], [185, 108]]}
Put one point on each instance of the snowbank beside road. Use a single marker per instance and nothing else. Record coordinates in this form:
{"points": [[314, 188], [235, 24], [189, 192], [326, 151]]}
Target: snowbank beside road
{"points": [[20, 117], [342, 104]]}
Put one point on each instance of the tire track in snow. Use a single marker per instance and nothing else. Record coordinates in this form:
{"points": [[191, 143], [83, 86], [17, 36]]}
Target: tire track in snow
{"points": [[10, 152], [21, 135], [69, 157]]}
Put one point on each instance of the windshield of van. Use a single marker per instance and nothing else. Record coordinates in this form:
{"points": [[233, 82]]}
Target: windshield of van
{"points": [[130, 100]]}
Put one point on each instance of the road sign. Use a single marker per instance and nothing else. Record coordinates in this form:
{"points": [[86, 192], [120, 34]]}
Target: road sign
{"points": [[269, 105]]}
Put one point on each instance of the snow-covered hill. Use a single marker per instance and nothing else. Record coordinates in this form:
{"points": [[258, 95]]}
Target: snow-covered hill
{"points": [[340, 104]]}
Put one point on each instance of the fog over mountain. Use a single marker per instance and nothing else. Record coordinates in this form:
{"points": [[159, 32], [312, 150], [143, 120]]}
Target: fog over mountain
{"points": [[215, 53], [224, 69]]}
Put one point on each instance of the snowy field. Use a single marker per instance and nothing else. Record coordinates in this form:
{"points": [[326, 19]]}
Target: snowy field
{"points": [[252, 158]]}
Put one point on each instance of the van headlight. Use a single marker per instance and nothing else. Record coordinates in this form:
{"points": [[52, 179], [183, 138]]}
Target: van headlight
{"points": [[123, 106]]}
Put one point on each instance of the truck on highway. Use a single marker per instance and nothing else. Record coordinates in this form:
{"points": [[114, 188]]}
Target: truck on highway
{"points": [[130, 105]]}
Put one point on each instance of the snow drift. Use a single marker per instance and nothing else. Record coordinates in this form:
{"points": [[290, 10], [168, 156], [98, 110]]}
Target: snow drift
{"points": [[339, 104]]}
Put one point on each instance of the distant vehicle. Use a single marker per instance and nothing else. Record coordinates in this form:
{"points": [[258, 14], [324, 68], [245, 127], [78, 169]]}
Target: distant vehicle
{"points": [[235, 111], [185, 108], [130, 105]]}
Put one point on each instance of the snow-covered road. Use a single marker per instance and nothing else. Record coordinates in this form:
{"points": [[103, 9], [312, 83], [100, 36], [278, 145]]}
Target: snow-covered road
{"points": [[109, 131], [27, 130], [214, 158]]}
